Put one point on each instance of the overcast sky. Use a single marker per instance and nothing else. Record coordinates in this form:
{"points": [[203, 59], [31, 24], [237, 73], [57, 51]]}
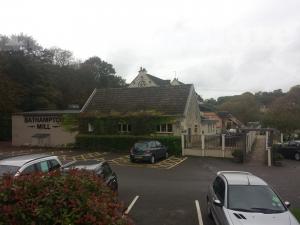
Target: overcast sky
{"points": [[223, 47]]}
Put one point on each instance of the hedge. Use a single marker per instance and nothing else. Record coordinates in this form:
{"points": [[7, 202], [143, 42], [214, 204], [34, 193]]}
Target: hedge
{"points": [[5, 127], [78, 197], [123, 143]]}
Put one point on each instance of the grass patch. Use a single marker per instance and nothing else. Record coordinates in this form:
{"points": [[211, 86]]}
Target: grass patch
{"points": [[296, 212]]}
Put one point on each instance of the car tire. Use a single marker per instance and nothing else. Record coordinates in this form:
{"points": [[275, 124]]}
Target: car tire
{"points": [[152, 159], [208, 205], [297, 156], [132, 160], [166, 155]]}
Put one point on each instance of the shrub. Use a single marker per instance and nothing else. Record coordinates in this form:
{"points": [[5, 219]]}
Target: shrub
{"points": [[75, 198], [123, 143], [238, 155], [276, 156], [296, 212]]}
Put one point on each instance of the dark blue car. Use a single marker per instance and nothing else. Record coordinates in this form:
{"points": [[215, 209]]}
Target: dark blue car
{"points": [[148, 151]]}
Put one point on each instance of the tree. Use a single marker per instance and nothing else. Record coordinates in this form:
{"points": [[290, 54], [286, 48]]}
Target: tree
{"points": [[10, 94], [284, 113], [244, 107], [60, 56]]}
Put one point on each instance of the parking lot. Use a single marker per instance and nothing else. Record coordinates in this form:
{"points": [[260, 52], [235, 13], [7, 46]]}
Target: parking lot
{"points": [[168, 197], [167, 193]]}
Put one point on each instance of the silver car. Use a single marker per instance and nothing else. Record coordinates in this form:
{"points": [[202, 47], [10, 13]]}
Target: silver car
{"points": [[237, 198], [27, 164]]}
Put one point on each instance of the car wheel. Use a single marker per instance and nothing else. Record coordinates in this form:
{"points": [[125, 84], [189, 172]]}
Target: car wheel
{"points": [[152, 160], [297, 156], [209, 209], [166, 155]]}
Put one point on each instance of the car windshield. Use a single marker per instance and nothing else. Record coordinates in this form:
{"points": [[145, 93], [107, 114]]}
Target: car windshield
{"points": [[7, 169], [254, 198], [141, 145]]}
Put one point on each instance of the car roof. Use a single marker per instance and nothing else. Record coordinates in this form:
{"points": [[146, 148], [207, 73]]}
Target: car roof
{"points": [[145, 141], [241, 178], [22, 159], [84, 164]]}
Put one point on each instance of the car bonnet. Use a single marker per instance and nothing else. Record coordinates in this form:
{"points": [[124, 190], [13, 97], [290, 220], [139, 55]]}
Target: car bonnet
{"points": [[246, 218]]}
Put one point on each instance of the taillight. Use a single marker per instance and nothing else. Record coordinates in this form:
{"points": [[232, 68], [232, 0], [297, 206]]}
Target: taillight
{"points": [[131, 150]]}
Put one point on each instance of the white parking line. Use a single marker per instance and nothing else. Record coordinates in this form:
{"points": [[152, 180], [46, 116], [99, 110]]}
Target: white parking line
{"points": [[199, 212], [170, 167], [131, 205]]}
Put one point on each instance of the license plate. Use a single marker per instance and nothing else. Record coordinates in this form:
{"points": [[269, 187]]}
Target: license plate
{"points": [[138, 157]]}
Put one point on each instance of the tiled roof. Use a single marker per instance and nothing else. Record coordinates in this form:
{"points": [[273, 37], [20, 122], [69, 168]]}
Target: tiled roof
{"points": [[48, 112], [158, 81], [168, 100]]}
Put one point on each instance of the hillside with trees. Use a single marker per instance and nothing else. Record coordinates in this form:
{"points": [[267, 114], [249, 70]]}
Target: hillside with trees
{"points": [[35, 78], [271, 109]]}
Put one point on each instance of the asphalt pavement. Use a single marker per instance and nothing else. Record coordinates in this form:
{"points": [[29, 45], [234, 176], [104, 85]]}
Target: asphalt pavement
{"points": [[167, 197]]}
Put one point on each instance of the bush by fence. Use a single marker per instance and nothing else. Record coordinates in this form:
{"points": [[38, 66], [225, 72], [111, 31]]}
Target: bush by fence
{"points": [[123, 143], [75, 198]]}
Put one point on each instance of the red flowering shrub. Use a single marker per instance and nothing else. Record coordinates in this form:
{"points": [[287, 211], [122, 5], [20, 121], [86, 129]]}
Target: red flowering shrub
{"points": [[75, 198]]}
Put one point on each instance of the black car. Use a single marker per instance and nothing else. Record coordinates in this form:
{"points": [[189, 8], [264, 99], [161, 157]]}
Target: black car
{"points": [[290, 150], [148, 151], [101, 168]]}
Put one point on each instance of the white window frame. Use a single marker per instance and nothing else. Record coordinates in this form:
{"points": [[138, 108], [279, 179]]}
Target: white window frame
{"points": [[164, 132], [124, 125], [90, 128]]}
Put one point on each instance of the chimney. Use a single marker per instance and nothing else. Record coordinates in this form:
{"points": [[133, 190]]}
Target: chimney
{"points": [[142, 71]]}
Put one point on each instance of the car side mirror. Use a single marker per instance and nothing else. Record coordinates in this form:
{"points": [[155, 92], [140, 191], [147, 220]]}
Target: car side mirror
{"points": [[217, 202], [287, 204]]}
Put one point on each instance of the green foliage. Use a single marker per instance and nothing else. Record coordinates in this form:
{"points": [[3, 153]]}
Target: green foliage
{"points": [[142, 123], [296, 213], [35, 78], [123, 143], [70, 122], [238, 155], [78, 197], [5, 126], [284, 113], [276, 157], [273, 109], [244, 107]]}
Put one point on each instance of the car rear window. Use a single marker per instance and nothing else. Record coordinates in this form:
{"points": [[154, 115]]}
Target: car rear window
{"points": [[141, 145], [7, 169]]}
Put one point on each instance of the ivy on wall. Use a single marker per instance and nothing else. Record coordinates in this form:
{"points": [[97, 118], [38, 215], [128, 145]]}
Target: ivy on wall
{"points": [[70, 122], [142, 123]]}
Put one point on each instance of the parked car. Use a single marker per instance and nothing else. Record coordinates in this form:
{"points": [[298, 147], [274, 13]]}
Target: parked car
{"points": [[101, 168], [148, 151], [237, 197], [290, 150], [27, 164]]}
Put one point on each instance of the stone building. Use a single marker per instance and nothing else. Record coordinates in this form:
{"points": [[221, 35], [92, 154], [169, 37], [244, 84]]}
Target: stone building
{"points": [[178, 102]]}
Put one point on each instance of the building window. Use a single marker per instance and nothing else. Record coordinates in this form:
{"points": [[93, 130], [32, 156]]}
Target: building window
{"points": [[90, 127], [196, 129], [124, 127], [164, 128]]}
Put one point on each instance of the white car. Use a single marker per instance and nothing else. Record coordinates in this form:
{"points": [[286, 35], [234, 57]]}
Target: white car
{"points": [[237, 198], [27, 164]]}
